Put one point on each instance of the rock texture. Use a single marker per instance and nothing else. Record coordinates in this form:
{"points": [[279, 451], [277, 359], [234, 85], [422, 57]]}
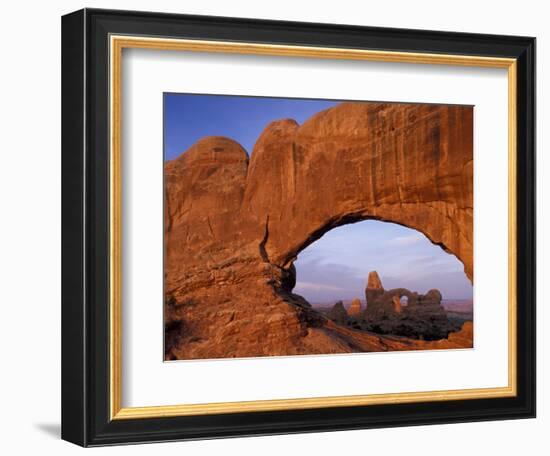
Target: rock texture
{"points": [[423, 316], [355, 308], [387, 303], [234, 226], [374, 282], [464, 337], [374, 289], [338, 313]]}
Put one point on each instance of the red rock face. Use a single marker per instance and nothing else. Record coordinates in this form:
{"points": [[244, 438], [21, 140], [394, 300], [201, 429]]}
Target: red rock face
{"points": [[374, 282], [374, 289], [233, 228], [355, 307]]}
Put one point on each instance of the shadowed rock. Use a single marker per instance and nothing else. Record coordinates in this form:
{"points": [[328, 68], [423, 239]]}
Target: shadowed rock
{"points": [[338, 313], [396, 301], [423, 316]]}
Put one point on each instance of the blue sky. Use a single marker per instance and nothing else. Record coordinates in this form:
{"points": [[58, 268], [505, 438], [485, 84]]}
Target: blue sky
{"points": [[337, 265], [188, 118]]}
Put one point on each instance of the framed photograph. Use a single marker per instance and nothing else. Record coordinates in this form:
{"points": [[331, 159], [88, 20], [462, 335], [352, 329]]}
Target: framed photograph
{"points": [[278, 227]]}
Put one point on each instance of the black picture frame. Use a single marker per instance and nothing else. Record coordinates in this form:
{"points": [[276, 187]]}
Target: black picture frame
{"points": [[85, 228]]}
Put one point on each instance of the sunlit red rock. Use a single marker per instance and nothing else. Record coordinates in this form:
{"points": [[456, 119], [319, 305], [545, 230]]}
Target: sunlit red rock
{"points": [[233, 227], [355, 308]]}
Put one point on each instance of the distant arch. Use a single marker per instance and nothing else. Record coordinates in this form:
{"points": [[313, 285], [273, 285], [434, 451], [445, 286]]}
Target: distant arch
{"points": [[315, 280]]}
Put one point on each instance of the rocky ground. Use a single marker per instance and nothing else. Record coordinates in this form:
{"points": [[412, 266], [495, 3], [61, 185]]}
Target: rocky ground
{"points": [[419, 329], [238, 333]]}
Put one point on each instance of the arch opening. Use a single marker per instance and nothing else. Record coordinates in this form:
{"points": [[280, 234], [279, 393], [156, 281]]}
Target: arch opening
{"points": [[390, 279], [353, 218]]}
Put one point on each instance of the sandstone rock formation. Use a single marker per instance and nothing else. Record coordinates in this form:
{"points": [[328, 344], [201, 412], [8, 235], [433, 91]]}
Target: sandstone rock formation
{"points": [[374, 282], [374, 288], [423, 316], [396, 301], [338, 313], [234, 226], [387, 303], [464, 337], [355, 308]]}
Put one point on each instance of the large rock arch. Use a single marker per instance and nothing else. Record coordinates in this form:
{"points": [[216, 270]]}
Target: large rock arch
{"points": [[233, 227]]}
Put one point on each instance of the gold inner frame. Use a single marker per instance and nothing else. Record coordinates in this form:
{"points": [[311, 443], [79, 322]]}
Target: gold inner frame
{"points": [[117, 44]]}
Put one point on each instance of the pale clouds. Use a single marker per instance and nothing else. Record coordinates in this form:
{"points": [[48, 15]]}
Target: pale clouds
{"points": [[310, 286], [410, 239], [337, 265]]}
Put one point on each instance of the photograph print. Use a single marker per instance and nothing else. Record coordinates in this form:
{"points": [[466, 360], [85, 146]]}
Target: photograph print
{"points": [[316, 227]]}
